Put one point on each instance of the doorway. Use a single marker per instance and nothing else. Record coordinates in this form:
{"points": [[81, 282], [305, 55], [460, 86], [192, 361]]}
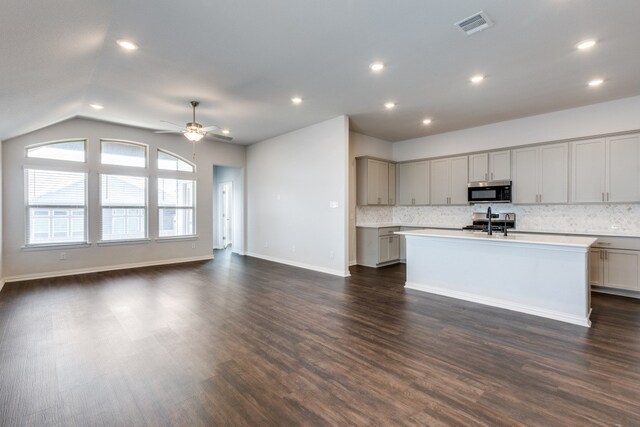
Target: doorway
{"points": [[225, 196], [228, 208]]}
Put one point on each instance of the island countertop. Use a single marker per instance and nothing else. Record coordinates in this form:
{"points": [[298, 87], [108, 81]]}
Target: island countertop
{"points": [[540, 239]]}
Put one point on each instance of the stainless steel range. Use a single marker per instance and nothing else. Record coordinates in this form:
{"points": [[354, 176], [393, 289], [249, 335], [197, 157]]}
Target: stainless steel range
{"points": [[480, 221]]}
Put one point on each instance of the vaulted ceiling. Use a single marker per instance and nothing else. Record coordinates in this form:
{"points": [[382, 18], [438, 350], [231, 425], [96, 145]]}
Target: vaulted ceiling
{"points": [[245, 59]]}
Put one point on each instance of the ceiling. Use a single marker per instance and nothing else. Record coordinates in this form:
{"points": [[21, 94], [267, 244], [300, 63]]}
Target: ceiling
{"points": [[244, 60]]}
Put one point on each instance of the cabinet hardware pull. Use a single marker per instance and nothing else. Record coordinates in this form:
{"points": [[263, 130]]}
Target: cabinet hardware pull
{"points": [[602, 255], [607, 196], [603, 196], [492, 176], [606, 255], [485, 176]]}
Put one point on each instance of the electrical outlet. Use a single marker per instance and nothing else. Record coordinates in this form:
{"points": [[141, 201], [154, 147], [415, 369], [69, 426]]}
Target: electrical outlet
{"points": [[293, 248], [63, 256], [331, 254], [266, 244], [193, 246]]}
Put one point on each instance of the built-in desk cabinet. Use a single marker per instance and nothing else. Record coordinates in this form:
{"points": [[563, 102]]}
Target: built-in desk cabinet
{"points": [[449, 179], [541, 174], [493, 166], [606, 170], [376, 182]]}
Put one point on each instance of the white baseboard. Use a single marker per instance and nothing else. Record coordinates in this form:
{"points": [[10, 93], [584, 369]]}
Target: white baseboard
{"points": [[494, 302], [300, 265], [1, 284], [353, 262], [61, 273]]}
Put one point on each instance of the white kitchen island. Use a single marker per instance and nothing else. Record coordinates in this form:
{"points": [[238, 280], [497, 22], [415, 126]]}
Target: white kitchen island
{"points": [[543, 275]]}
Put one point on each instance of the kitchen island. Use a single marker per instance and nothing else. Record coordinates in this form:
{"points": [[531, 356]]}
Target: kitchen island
{"points": [[543, 275]]}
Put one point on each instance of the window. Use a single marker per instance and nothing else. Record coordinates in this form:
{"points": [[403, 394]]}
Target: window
{"points": [[176, 207], [124, 207], [171, 162], [73, 151], [56, 207], [122, 153]]}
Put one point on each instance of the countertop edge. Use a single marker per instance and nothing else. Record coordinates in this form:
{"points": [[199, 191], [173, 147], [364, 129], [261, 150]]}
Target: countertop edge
{"points": [[521, 231]]}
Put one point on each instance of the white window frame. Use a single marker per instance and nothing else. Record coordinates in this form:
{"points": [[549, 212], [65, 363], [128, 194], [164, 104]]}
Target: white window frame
{"points": [[124, 141], [169, 171], [28, 207], [57, 141], [178, 175], [101, 207]]}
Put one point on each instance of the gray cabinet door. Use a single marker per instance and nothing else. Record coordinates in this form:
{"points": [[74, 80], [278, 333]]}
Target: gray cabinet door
{"points": [[478, 167], [421, 179], [440, 170], [392, 183], [554, 173], [405, 184], [588, 171], [623, 169], [525, 175], [500, 165], [621, 269], [458, 180]]}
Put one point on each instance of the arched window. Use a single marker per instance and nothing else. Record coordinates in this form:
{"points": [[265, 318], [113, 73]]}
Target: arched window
{"points": [[176, 196], [172, 162], [71, 150]]}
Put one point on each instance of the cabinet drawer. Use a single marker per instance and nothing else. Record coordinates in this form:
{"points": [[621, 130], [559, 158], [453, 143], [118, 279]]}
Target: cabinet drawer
{"points": [[387, 231], [629, 243]]}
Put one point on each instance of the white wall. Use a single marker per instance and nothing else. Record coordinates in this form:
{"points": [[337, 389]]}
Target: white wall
{"points": [[291, 180], [236, 177], [22, 263], [1, 230], [361, 145], [607, 117]]}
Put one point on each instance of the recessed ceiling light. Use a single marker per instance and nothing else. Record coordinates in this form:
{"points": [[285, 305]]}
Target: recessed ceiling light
{"points": [[426, 122], [296, 100], [477, 78], [226, 131], [389, 105], [376, 66], [595, 82], [127, 44], [96, 106], [586, 44]]}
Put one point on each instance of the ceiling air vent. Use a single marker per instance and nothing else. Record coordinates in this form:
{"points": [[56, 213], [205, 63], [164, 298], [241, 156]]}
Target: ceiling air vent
{"points": [[478, 22]]}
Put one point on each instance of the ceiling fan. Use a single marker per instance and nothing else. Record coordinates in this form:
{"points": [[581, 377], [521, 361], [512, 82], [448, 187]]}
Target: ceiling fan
{"points": [[193, 130]]}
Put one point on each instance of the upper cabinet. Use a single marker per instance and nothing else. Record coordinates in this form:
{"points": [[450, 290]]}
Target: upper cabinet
{"points": [[493, 166], [449, 178], [392, 183], [413, 183], [606, 170], [541, 174], [373, 182]]}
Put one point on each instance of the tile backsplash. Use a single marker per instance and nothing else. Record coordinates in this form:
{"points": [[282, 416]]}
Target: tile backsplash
{"points": [[604, 218]]}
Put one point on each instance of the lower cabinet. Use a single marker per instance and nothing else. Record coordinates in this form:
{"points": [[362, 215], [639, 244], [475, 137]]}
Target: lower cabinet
{"points": [[377, 246], [615, 268], [388, 249], [614, 263]]}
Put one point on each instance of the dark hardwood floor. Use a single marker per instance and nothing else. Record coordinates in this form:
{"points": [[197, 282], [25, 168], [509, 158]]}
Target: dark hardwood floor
{"points": [[241, 341]]}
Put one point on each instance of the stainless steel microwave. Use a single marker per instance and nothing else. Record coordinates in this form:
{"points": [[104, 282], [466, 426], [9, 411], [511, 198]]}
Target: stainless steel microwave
{"points": [[489, 192]]}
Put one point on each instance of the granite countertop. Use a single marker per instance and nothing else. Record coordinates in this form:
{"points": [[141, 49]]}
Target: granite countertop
{"points": [[536, 239]]}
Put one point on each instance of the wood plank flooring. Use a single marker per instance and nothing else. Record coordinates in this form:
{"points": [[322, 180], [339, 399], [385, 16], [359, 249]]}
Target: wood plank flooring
{"points": [[242, 341]]}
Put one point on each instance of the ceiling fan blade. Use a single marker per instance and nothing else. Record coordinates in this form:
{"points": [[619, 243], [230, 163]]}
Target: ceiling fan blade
{"points": [[208, 128], [219, 137], [171, 123], [168, 131]]}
